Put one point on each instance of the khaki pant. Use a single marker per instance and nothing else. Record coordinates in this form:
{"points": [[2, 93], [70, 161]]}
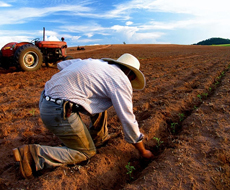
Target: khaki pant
{"points": [[78, 140]]}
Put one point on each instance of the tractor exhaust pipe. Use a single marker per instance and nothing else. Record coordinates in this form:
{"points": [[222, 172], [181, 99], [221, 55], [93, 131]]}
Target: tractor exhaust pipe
{"points": [[43, 33]]}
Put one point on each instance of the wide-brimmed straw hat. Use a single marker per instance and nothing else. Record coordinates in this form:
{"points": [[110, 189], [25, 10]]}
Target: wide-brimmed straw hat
{"points": [[133, 64]]}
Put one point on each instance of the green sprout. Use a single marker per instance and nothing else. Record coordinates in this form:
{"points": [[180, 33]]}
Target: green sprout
{"points": [[217, 82], [173, 127], [181, 115], [129, 170], [200, 97], [159, 142], [32, 112], [222, 73], [205, 94]]}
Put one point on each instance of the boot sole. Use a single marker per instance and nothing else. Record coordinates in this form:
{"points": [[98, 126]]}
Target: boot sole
{"points": [[18, 158], [17, 155]]}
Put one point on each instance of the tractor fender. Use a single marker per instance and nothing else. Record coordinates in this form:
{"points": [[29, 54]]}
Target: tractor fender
{"points": [[8, 49]]}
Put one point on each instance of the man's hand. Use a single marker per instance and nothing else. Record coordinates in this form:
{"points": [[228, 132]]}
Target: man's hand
{"points": [[144, 152]]}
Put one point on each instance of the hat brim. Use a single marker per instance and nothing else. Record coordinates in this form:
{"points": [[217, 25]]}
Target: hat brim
{"points": [[139, 82]]}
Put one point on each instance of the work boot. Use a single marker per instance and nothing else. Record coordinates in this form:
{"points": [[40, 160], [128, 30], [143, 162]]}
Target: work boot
{"points": [[24, 157], [105, 140]]}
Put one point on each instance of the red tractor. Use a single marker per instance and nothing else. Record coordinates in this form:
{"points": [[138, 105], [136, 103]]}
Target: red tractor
{"points": [[29, 56]]}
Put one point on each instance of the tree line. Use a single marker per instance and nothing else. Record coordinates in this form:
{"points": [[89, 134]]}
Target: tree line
{"points": [[214, 41]]}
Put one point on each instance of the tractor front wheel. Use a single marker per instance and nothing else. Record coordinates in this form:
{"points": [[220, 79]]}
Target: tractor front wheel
{"points": [[68, 58], [28, 57], [55, 63]]}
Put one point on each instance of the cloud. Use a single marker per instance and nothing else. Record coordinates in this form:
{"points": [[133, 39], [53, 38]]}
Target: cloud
{"points": [[85, 41], [48, 33], [172, 25], [195, 7], [133, 34], [89, 29], [21, 15], [6, 39], [129, 23], [3, 4], [51, 38], [75, 38]]}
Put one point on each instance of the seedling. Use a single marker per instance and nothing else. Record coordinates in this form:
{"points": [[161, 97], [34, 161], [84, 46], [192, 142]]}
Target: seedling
{"points": [[159, 142], [32, 112], [181, 115], [195, 108], [129, 170], [200, 97], [173, 127], [205, 94], [217, 82], [222, 73]]}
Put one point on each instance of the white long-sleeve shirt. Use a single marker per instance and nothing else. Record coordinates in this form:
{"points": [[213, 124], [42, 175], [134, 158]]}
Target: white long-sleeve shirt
{"points": [[96, 85]]}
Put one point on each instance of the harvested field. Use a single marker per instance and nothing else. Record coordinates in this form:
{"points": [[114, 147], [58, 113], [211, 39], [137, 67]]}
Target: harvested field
{"points": [[184, 113]]}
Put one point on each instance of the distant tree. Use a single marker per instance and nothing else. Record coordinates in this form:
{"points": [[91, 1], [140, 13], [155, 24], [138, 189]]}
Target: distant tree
{"points": [[214, 41]]}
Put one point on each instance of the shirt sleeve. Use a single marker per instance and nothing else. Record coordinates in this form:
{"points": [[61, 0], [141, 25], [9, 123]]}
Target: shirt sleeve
{"points": [[122, 103], [63, 64]]}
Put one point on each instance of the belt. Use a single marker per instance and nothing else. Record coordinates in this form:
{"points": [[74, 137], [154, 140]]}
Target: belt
{"points": [[74, 107], [56, 101]]}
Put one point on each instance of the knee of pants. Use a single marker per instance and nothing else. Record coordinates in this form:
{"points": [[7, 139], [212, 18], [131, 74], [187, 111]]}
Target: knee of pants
{"points": [[91, 153]]}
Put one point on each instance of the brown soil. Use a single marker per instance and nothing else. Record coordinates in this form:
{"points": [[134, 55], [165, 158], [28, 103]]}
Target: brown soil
{"points": [[185, 105]]}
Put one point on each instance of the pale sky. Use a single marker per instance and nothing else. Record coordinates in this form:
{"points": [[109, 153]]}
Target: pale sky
{"points": [[88, 22]]}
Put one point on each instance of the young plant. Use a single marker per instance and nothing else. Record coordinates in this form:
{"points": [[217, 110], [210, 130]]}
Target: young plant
{"points": [[222, 73], [205, 94], [217, 82], [159, 142], [200, 97], [129, 170], [32, 112], [173, 127], [181, 115]]}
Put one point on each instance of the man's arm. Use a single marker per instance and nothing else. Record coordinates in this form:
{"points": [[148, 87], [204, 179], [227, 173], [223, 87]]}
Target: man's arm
{"points": [[143, 152]]}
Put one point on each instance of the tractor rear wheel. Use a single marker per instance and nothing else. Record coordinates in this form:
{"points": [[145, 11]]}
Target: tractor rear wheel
{"points": [[28, 57]]}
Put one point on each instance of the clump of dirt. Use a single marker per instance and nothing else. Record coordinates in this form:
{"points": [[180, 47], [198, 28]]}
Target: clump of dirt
{"points": [[183, 112]]}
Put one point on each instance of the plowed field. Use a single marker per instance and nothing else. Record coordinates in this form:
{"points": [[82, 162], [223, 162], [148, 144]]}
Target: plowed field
{"points": [[184, 113]]}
